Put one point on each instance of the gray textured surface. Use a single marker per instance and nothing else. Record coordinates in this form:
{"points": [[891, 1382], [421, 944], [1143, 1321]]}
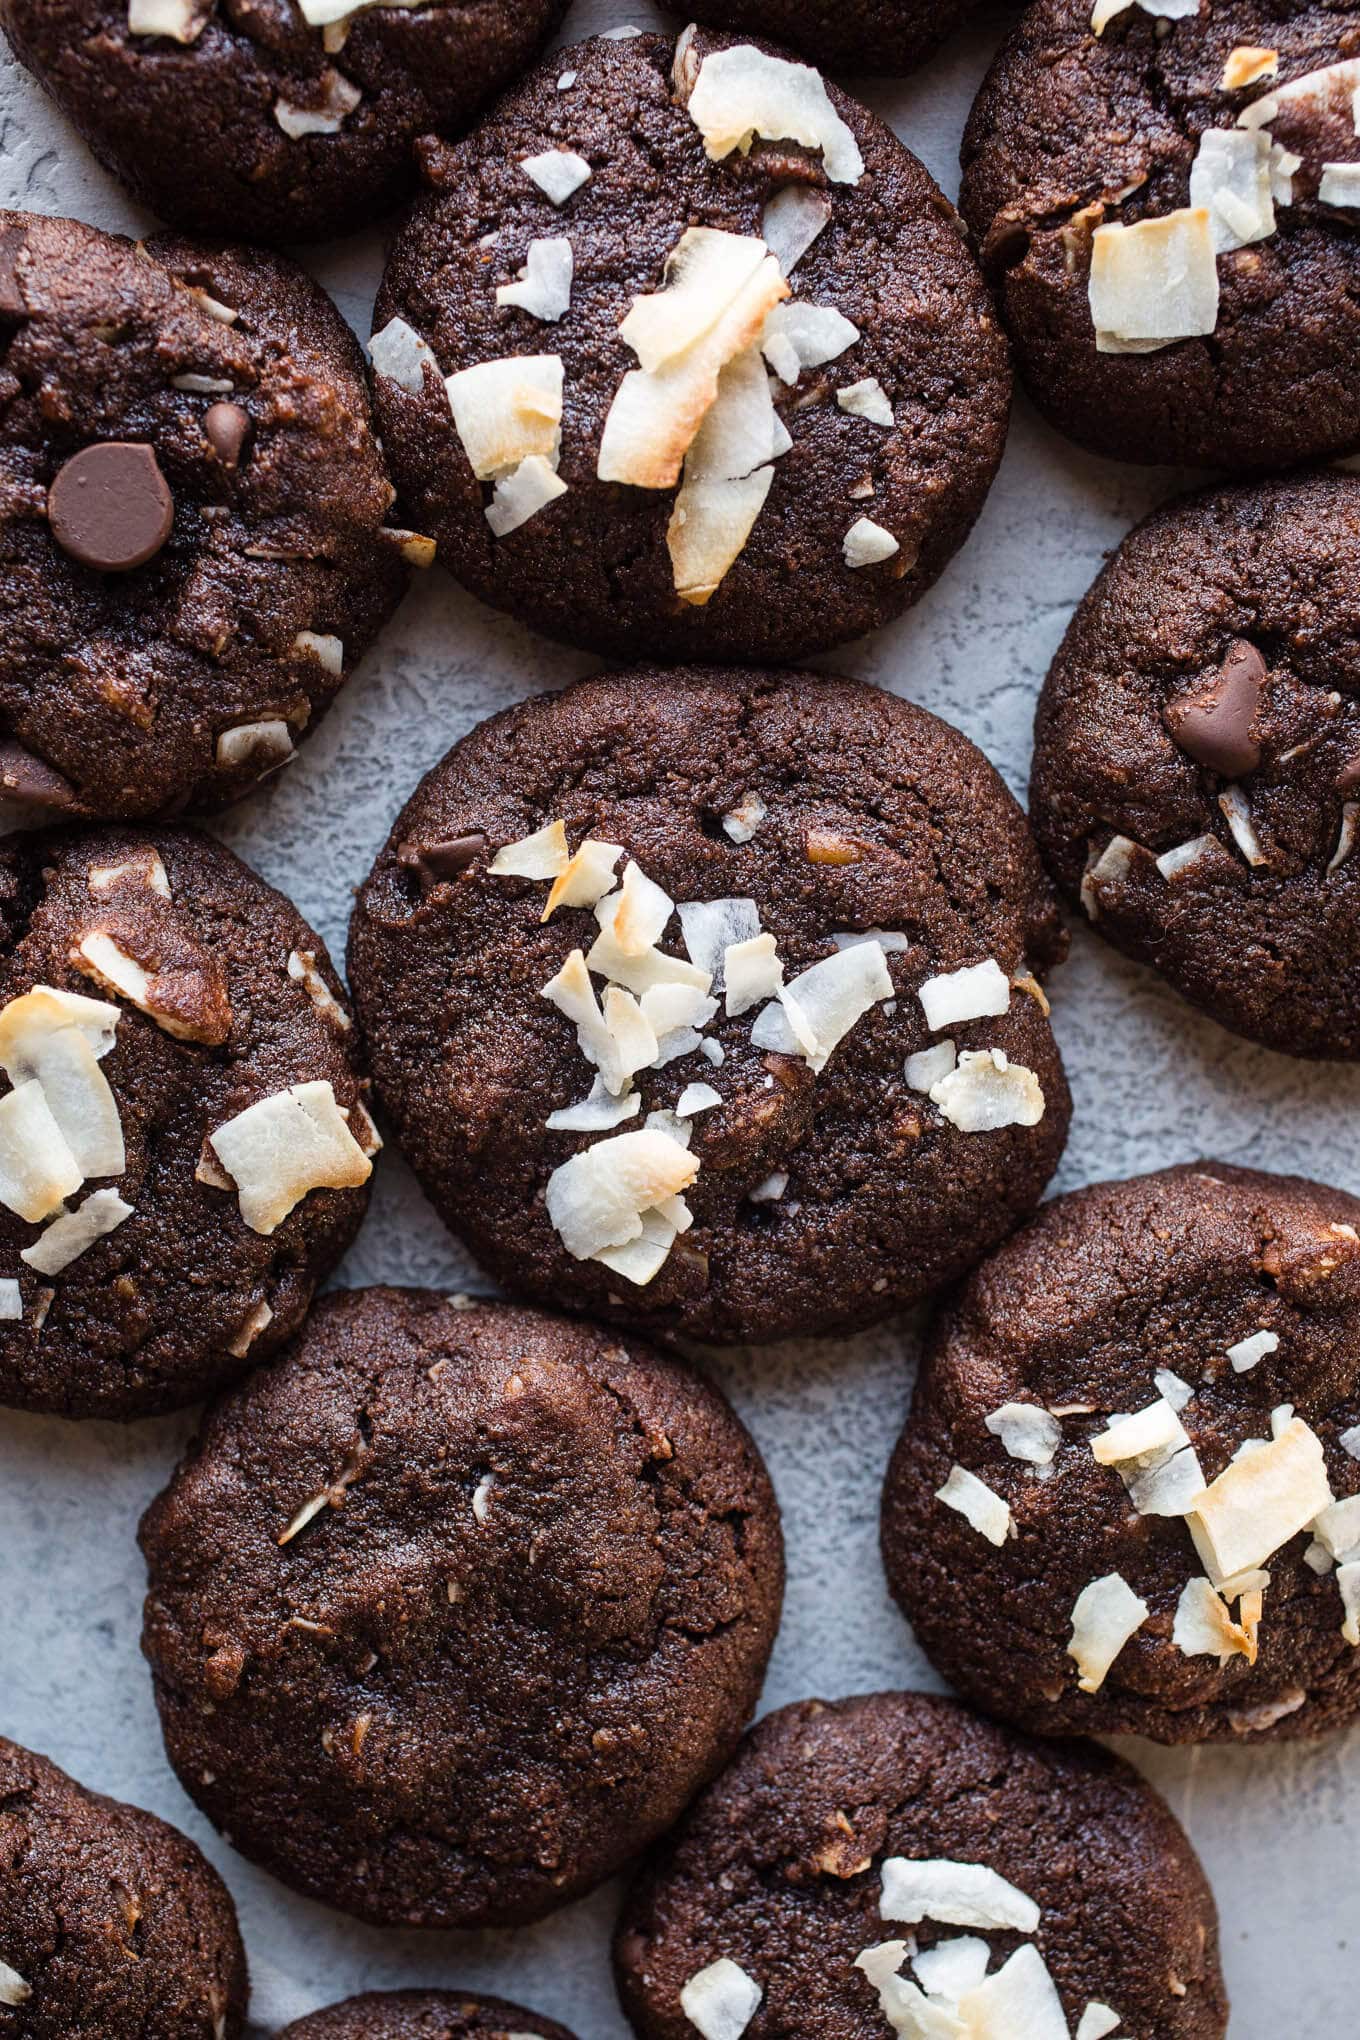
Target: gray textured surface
{"points": [[1153, 1084]]}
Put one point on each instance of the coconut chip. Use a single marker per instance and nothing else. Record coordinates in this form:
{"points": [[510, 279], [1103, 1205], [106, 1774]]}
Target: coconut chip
{"points": [[1347, 835], [303, 971], [1340, 184], [13, 1989], [1110, 867], [1027, 1431], [1247, 1352], [1348, 1580], [1154, 283], [752, 971], [142, 868], [189, 1004], [1185, 856], [867, 544], [598, 1198], [1204, 1628], [1150, 1430], [251, 1326], [618, 1039], [507, 410], [1237, 814], [597, 1112], [955, 1895], [1096, 2021], [46, 1039], [1230, 177], [798, 336], [986, 1092], [326, 650], [1105, 11], [181, 21], [399, 354], [989, 1515], [521, 494], [814, 1013], [770, 1190], [952, 1968], [980, 990], [542, 855], [708, 530], [720, 2002], [930, 1066], [38, 1172], [283, 1147], [1247, 65], [742, 821], [267, 746], [1261, 1500], [712, 927], [557, 173], [543, 288], [696, 1098], [585, 878], [742, 92], [1018, 2002], [867, 399], [1337, 1528], [341, 96], [11, 1300], [72, 1232], [631, 920], [791, 222], [1172, 1389], [1106, 1614], [672, 1009]]}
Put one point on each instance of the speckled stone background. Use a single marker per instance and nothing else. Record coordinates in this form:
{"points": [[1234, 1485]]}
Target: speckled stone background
{"points": [[1153, 1084]]}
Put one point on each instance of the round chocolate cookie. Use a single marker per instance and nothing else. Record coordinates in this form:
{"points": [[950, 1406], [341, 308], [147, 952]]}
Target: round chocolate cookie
{"points": [[860, 1853], [111, 1922], [192, 548], [183, 1139], [454, 1610], [701, 402], [1128, 1497], [1165, 208], [1196, 779], [845, 35], [424, 2015], [279, 121], [832, 1087]]}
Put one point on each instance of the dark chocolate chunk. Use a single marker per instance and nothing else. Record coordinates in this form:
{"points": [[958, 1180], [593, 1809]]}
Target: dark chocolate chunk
{"points": [[226, 427], [26, 778], [1213, 725], [110, 506], [433, 861]]}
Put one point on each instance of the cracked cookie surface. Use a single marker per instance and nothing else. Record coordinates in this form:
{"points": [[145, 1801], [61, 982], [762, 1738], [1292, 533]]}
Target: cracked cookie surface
{"points": [[175, 619], [1204, 710], [455, 1609]]}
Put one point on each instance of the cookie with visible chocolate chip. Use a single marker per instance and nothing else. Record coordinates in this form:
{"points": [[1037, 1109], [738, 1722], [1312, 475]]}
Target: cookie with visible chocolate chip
{"points": [[1128, 1494], [110, 1920], [845, 35], [702, 400], [184, 1143], [1166, 212], [1196, 778], [574, 961], [275, 121], [424, 2015], [858, 1854], [193, 552], [454, 1609]]}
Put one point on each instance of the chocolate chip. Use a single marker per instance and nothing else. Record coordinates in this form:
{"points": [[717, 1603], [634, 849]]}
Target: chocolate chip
{"points": [[432, 862], [32, 781], [1348, 778], [1213, 725], [110, 507], [226, 428], [12, 305]]}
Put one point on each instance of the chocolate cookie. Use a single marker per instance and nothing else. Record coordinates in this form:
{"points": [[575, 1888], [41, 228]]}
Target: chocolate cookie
{"points": [[192, 548], [1128, 1498], [830, 1088], [172, 1032], [424, 2015], [456, 1608], [860, 1854], [1196, 780], [1165, 200], [111, 1922], [701, 401], [282, 122], [845, 35]]}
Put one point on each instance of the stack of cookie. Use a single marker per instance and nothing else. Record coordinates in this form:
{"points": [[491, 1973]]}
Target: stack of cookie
{"points": [[706, 998]]}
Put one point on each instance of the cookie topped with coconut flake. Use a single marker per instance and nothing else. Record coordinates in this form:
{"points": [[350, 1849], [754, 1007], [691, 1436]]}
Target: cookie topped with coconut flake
{"points": [[1196, 779], [712, 1001], [893, 1864], [1166, 194], [1128, 1497], [184, 1144], [686, 355]]}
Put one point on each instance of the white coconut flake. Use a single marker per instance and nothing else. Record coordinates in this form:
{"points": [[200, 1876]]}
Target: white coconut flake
{"points": [[1231, 178], [1154, 283], [1110, 867], [1019, 2001], [817, 1010], [721, 2001], [341, 96], [929, 1066], [696, 1098], [543, 288], [867, 544], [521, 494], [1348, 1580], [13, 1989], [1172, 1389], [1203, 1626], [742, 821], [1185, 856], [1237, 814], [711, 927], [73, 1232], [181, 21], [989, 1515], [1340, 184], [1337, 1528], [597, 1199], [507, 410], [1248, 1352], [1349, 1441], [1149, 1430], [1105, 11], [752, 971], [986, 1092], [954, 1895], [1096, 2021], [978, 991], [791, 222], [771, 1189], [742, 92], [798, 335], [585, 878], [618, 1039], [1347, 836], [708, 529], [1106, 1614], [11, 1300], [398, 353], [867, 399], [557, 173], [280, 1149], [265, 745], [597, 1112], [952, 1968], [1027, 1431]]}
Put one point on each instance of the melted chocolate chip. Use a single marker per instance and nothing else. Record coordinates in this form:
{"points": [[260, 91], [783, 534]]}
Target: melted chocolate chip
{"points": [[32, 781], [1213, 725], [12, 305], [226, 427], [432, 862], [110, 506]]}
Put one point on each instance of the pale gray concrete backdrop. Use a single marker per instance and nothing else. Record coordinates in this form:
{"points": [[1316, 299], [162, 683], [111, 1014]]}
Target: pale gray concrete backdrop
{"points": [[1153, 1084]]}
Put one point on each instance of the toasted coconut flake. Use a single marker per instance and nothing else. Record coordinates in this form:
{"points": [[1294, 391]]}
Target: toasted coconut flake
{"points": [[1019, 1999], [11, 1309], [791, 222], [1106, 1614], [190, 1005], [1166, 10], [1027, 1431], [642, 971], [952, 1968], [1248, 1352], [712, 927], [818, 1009], [142, 868], [597, 1199], [705, 273], [1349, 1441], [1110, 867], [986, 1092], [638, 917], [326, 650], [543, 288], [867, 544], [989, 1515], [37, 1169], [741, 431], [1096, 2021], [708, 530], [521, 494], [1150, 1430], [265, 745], [979, 991], [72, 1232], [1165, 1483], [283, 1147], [1154, 283], [542, 855], [954, 1895], [303, 971], [585, 878], [720, 2002], [597, 1112], [47, 1038], [1348, 1580], [1230, 177], [182, 21], [671, 1007], [742, 92], [799, 335], [256, 1321], [753, 971], [13, 1989], [1339, 184], [1337, 1528], [1261, 1500], [1204, 1628], [639, 1261], [618, 1039], [1316, 92], [341, 96], [203, 385], [1172, 1389], [399, 354], [507, 410], [930, 1066], [557, 173], [867, 399], [1247, 65]]}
